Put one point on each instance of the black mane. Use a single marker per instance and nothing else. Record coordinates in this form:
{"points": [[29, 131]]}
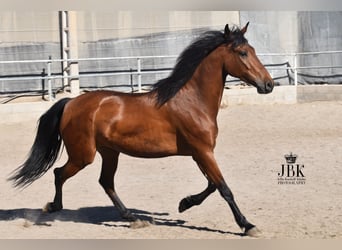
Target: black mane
{"points": [[190, 58]]}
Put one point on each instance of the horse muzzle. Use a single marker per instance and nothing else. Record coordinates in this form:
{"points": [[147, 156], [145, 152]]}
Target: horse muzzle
{"points": [[265, 88]]}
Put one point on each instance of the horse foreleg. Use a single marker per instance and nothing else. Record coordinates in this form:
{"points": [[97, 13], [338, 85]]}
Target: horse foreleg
{"points": [[209, 167], [197, 199], [109, 167]]}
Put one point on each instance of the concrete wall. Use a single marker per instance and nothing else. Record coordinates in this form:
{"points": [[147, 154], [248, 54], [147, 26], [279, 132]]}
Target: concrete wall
{"points": [[134, 33], [292, 31], [313, 93], [27, 35], [35, 35], [243, 96], [28, 27], [320, 31], [283, 95], [273, 32], [96, 26]]}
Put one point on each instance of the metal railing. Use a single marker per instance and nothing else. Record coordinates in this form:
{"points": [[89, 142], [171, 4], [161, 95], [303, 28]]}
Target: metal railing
{"points": [[50, 77], [295, 66], [139, 71]]}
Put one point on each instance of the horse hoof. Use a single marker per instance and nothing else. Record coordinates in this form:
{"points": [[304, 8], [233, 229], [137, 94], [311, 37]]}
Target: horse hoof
{"points": [[253, 232], [184, 204], [139, 224], [51, 207], [127, 215]]}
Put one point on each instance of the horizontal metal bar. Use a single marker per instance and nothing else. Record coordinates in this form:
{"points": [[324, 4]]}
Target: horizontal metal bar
{"points": [[26, 61], [143, 73], [304, 67], [24, 78], [299, 53], [320, 67], [83, 75], [120, 58], [162, 56], [88, 59], [319, 52]]}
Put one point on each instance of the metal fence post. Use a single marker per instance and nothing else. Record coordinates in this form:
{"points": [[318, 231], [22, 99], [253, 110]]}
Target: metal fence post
{"points": [[49, 79], [295, 70], [139, 74]]}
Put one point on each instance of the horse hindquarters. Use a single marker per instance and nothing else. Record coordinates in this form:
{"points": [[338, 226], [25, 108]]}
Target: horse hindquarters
{"points": [[78, 136]]}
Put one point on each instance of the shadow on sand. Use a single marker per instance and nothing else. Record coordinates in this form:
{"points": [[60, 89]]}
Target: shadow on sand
{"points": [[107, 216]]}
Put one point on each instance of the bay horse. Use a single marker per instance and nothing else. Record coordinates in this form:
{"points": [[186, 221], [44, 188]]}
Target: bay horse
{"points": [[177, 117]]}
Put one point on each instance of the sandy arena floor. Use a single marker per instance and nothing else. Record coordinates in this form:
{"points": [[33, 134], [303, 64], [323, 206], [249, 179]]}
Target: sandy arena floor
{"points": [[250, 150]]}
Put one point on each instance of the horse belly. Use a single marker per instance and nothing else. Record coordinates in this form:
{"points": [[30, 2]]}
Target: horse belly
{"points": [[144, 145], [141, 139]]}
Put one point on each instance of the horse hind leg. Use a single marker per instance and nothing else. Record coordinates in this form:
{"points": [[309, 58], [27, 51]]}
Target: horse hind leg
{"points": [[79, 158], [79, 142], [61, 175], [109, 167]]}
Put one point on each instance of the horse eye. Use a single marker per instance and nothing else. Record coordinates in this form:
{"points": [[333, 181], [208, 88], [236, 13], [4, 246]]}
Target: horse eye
{"points": [[243, 53]]}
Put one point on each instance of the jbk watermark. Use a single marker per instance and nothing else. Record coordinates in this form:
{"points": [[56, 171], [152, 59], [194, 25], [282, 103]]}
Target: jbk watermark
{"points": [[291, 173]]}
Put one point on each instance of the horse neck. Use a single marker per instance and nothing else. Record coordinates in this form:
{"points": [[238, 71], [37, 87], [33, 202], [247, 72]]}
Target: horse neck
{"points": [[208, 81]]}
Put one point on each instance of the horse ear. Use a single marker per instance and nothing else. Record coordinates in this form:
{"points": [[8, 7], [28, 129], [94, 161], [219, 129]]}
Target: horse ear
{"points": [[244, 29], [226, 31]]}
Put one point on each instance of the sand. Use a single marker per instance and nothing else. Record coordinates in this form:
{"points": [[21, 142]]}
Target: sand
{"points": [[251, 145]]}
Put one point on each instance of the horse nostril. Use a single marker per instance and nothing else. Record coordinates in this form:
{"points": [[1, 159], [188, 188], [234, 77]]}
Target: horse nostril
{"points": [[269, 86]]}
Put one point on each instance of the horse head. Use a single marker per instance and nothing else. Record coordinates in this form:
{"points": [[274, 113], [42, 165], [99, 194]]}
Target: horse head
{"points": [[242, 62]]}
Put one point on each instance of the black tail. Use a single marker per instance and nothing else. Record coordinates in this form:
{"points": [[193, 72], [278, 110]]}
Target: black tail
{"points": [[45, 149]]}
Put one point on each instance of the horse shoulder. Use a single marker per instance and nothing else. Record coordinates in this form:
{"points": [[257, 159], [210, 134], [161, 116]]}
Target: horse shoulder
{"points": [[195, 126]]}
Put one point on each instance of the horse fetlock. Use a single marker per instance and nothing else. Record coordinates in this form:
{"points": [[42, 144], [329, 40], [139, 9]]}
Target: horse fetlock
{"points": [[127, 215], [52, 207]]}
